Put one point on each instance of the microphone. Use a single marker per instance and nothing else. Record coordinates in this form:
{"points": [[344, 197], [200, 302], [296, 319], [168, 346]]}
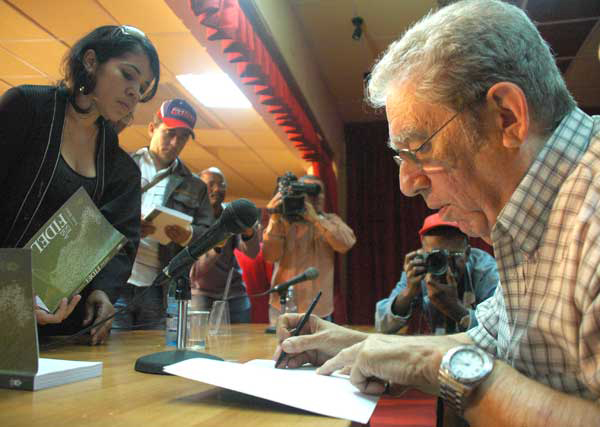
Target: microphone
{"points": [[237, 216], [311, 273]]}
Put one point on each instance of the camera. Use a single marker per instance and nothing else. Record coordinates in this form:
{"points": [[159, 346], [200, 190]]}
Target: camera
{"points": [[292, 196], [437, 262]]}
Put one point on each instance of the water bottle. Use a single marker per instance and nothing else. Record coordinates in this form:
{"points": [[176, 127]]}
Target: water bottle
{"points": [[171, 321], [290, 301]]}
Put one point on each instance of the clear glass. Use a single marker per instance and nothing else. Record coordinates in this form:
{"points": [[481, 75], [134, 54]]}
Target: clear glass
{"points": [[219, 322], [197, 324]]}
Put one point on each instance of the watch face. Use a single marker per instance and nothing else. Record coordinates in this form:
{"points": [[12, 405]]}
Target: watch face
{"points": [[467, 365]]}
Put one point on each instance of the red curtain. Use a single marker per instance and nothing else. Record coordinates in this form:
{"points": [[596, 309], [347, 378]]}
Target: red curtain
{"points": [[226, 23]]}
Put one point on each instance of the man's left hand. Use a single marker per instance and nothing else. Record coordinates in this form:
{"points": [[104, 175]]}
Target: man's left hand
{"points": [[310, 214], [97, 308], [178, 234], [444, 296], [382, 359]]}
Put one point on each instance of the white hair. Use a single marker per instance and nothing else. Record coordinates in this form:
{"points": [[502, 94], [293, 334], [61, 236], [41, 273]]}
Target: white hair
{"points": [[454, 55], [214, 170]]}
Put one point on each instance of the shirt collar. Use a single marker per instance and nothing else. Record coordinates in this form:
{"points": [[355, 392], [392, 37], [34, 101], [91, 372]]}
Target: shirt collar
{"points": [[525, 215], [147, 157]]}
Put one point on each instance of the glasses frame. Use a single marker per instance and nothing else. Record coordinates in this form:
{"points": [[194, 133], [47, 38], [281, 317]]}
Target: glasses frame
{"points": [[412, 154]]}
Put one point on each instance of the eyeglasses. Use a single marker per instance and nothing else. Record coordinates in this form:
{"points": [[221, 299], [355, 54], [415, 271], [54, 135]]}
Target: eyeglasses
{"points": [[406, 154]]}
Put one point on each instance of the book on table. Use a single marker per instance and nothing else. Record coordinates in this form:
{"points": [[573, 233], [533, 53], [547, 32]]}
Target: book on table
{"points": [[161, 217], [20, 365], [70, 249]]}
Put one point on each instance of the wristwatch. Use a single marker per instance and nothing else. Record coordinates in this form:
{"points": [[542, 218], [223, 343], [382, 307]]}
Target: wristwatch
{"points": [[462, 369]]}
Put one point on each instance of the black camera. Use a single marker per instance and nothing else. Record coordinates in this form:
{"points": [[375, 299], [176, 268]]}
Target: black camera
{"points": [[292, 196], [437, 262]]}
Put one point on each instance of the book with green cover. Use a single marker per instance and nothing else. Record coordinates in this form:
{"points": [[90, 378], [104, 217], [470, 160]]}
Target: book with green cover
{"points": [[70, 249], [20, 366], [19, 334]]}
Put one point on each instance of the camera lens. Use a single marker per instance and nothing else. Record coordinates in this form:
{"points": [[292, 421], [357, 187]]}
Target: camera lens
{"points": [[437, 263]]}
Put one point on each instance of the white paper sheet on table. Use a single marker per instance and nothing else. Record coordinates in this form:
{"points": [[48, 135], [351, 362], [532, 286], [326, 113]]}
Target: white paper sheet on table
{"points": [[301, 388]]}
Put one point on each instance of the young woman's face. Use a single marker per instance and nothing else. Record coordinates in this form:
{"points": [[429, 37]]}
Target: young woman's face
{"points": [[120, 84]]}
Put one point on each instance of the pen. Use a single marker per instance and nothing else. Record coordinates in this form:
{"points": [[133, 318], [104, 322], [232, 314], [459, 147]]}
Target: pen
{"points": [[298, 328]]}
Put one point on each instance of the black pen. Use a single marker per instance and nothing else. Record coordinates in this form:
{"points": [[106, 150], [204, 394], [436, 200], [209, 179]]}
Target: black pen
{"points": [[298, 328]]}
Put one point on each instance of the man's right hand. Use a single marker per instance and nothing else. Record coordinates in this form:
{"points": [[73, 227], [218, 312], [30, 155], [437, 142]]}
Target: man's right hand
{"points": [[65, 308], [318, 342], [415, 269], [274, 203], [146, 228]]}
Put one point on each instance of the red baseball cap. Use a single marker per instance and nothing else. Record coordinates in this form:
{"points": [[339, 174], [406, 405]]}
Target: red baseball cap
{"points": [[178, 113], [434, 221]]}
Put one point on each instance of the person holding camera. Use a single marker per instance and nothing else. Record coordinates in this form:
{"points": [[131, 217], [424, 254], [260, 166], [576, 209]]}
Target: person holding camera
{"points": [[296, 239], [441, 285]]}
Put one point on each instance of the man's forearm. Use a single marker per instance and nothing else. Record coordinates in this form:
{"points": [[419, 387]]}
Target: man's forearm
{"points": [[510, 399], [401, 304]]}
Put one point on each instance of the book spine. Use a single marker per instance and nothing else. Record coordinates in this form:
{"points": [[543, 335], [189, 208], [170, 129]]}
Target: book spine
{"points": [[17, 381], [101, 265]]}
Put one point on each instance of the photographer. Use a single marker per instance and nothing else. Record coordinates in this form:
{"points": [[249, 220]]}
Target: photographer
{"points": [[441, 285], [305, 237]]}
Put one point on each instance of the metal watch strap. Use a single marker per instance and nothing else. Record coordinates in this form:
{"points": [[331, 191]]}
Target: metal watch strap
{"points": [[453, 392]]}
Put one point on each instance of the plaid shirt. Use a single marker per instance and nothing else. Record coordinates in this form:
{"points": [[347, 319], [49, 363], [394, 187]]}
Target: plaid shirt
{"points": [[544, 319]]}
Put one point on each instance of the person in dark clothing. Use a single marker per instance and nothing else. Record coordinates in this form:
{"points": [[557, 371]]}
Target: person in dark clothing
{"points": [[56, 139]]}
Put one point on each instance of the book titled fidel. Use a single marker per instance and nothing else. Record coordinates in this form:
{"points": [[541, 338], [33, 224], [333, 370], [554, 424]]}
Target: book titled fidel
{"points": [[70, 249]]}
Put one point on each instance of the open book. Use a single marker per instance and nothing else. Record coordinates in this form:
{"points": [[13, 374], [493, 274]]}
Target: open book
{"points": [[161, 216], [302, 388], [70, 249]]}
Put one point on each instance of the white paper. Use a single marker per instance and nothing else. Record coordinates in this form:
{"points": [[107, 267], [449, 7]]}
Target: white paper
{"points": [[301, 388], [41, 304]]}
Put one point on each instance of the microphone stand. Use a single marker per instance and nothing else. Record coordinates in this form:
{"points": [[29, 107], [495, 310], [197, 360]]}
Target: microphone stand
{"points": [[155, 362], [283, 306]]}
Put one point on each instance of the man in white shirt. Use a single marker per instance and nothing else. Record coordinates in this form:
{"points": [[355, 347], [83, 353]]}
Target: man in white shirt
{"points": [[166, 181]]}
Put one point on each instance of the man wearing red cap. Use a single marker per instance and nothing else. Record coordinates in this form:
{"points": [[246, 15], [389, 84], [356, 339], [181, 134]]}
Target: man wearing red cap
{"points": [[437, 304], [166, 181]]}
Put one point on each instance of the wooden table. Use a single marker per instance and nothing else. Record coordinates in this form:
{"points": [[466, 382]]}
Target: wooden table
{"points": [[124, 397]]}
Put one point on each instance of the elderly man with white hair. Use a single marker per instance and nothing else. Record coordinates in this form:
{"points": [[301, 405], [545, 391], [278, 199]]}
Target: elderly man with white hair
{"points": [[485, 130]]}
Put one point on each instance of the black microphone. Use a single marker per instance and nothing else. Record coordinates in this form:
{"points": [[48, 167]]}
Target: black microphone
{"points": [[237, 216], [311, 273]]}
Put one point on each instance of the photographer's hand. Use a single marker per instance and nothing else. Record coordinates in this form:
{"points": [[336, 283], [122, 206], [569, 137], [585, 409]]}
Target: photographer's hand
{"points": [[273, 204], [310, 214], [414, 267], [444, 296]]}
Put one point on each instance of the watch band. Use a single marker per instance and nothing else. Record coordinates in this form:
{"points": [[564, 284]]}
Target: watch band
{"points": [[456, 390], [453, 393]]}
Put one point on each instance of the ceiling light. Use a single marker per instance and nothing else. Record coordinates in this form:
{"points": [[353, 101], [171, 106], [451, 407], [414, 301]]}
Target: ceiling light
{"points": [[214, 90]]}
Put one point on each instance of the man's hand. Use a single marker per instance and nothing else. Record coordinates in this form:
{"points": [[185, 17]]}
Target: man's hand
{"points": [[146, 228], [97, 308], [178, 234], [65, 308], [444, 296], [414, 266], [318, 341], [310, 214], [382, 359], [274, 203]]}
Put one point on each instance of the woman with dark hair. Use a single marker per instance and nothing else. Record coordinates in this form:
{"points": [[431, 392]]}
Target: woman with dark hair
{"points": [[56, 139]]}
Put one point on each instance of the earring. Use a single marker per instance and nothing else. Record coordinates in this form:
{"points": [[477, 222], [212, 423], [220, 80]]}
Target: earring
{"points": [[82, 89]]}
